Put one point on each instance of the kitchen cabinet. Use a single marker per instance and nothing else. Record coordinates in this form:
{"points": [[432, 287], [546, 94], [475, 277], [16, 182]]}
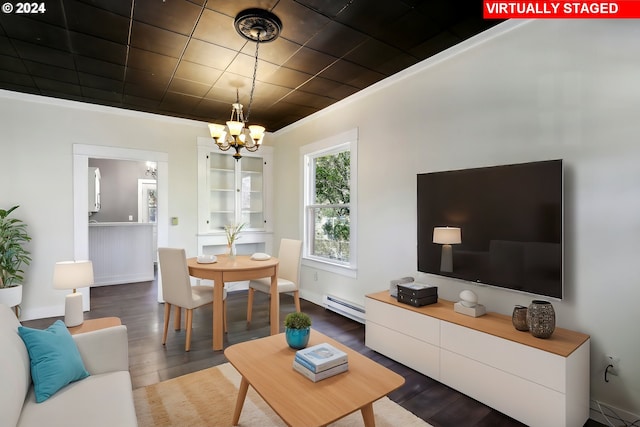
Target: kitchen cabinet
{"points": [[94, 189]]}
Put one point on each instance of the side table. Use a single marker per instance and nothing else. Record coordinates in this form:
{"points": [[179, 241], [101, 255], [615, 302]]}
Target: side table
{"points": [[95, 324]]}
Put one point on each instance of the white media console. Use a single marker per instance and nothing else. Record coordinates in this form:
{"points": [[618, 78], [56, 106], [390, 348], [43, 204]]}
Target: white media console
{"points": [[540, 382]]}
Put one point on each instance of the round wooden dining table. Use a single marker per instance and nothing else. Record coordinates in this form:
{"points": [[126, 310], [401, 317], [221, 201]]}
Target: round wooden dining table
{"points": [[236, 269]]}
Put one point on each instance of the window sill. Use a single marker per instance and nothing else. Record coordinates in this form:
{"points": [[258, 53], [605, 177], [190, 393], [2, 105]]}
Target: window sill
{"points": [[342, 270]]}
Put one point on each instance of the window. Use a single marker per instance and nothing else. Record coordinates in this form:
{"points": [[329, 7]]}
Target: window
{"points": [[329, 203]]}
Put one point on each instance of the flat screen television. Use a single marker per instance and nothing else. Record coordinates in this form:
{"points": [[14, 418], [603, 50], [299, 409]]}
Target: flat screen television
{"points": [[507, 219]]}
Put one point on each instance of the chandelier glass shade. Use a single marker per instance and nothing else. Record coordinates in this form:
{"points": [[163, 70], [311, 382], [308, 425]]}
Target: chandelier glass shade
{"points": [[256, 25]]}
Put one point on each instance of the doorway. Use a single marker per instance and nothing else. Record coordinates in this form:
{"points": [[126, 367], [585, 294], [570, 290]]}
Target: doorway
{"points": [[81, 155], [147, 201], [148, 209]]}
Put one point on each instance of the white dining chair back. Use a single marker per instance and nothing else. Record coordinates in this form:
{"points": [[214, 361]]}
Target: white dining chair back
{"points": [[177, 291], [290, 256]]}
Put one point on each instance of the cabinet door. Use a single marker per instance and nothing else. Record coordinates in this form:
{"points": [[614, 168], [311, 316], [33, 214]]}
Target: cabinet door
{"points": [[251, 191], [221, 195], [230, 191]]}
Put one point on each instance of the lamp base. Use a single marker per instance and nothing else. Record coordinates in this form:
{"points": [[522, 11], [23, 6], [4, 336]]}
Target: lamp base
{"points": [[475, 311], [73, 315], [446, 259]]}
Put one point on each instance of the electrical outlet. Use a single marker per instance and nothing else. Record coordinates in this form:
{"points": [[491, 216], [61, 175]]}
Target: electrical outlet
{"points": [[613, 363], [315, 276]]}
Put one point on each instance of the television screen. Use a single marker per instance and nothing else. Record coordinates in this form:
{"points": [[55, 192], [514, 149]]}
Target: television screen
{"points": [[499, 226]]}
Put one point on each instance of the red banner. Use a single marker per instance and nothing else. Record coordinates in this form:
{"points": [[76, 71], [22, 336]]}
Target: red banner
{"points": [[561, 9]]}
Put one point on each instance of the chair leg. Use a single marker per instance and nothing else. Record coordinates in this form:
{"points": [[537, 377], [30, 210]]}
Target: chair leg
{"points": [[224, 316], [167, 313], [188, 322], [177, 319], [250, 304], [296, 300]]}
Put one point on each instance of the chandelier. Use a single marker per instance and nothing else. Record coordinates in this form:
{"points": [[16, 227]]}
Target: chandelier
{"points": [[260, 26]]}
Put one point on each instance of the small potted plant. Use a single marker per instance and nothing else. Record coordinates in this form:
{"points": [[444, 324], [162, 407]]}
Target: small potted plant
{"points": [[13, 236], [297, 328]]}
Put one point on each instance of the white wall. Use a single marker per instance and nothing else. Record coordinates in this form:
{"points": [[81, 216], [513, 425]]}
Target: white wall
{"points": [[36, 167], [523, 91]]}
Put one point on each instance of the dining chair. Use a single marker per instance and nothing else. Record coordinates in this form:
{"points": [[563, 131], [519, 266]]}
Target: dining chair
{"points": [[177, 291], [288, 278]]}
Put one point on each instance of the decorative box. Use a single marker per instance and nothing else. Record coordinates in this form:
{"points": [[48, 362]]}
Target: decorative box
{"points": [[417, 302], [417, 290], [393, 286]]}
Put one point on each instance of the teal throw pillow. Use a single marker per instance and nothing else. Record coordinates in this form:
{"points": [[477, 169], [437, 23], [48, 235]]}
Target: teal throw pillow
{"points": [[55, 359]]}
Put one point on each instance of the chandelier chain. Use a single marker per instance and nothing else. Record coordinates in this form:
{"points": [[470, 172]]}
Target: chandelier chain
{"points": [[253, 81]]}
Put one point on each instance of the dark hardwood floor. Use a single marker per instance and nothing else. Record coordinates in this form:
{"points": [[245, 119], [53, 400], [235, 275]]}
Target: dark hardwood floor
{"points": [[151, 362]]}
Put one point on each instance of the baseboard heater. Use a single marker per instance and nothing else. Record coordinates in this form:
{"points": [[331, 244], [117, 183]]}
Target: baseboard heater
{"points": [[346, 308]]}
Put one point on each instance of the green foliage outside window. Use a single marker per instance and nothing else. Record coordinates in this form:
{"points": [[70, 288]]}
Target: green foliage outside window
{"points": [[332, 189]]}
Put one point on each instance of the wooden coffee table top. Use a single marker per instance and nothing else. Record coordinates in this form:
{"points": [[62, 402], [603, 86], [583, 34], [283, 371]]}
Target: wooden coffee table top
{"points": [[266, 364]]}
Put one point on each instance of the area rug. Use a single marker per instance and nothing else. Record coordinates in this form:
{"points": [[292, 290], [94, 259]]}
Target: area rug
{"points": [[208, 398]]}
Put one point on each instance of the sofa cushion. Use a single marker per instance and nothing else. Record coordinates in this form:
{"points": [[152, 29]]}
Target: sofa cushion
{"points": [[103, 400], [14, 368], [55, 359]]}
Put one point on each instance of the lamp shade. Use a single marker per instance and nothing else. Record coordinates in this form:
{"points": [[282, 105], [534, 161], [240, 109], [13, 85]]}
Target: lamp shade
{"points": [[235, 128], [72, 274], [217, 131], [257, 133], [447, 235]]}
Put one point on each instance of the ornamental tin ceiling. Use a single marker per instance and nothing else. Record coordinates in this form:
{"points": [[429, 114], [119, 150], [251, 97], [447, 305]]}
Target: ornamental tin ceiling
{"points": [[185, 59]]}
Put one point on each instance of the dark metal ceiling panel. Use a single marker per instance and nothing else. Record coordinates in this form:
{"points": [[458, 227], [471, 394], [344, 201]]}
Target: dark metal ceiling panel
{"points": [[82, 18], [183, 58]]}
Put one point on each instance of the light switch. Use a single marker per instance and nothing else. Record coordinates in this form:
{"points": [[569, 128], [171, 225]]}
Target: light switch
{"points": [[130, 217]]}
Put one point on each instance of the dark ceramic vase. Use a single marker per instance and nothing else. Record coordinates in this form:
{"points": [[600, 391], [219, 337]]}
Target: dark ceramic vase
{"points": [[541, 319], [519, 318]]}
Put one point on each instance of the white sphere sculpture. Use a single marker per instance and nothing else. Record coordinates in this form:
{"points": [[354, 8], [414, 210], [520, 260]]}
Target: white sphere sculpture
{"points": [[468, 298]]}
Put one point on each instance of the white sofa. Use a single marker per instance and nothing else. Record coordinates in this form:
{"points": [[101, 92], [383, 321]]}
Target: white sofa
{"points": [[104, 398]]}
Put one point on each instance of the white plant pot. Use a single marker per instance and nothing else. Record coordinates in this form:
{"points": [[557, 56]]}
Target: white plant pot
{"points": [[11, 296]]}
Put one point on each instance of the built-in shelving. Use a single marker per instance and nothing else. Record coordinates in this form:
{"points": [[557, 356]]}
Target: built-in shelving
{"points": [[233, 192]]}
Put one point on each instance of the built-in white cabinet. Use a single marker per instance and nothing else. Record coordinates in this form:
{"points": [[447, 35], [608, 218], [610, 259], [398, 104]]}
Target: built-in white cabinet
{"points": [[538, 382], [94, 189], [234, 191]]}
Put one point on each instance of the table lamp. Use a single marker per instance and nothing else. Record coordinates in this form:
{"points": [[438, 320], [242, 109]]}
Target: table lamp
{"points": [[73, 275], [446, 236]]}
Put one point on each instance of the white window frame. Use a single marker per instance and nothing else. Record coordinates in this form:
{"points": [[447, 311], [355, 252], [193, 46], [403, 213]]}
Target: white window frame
{"points": [[345, 141]]}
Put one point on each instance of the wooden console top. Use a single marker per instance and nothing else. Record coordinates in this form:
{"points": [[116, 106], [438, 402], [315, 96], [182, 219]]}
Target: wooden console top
{"points": [[563, 341]]}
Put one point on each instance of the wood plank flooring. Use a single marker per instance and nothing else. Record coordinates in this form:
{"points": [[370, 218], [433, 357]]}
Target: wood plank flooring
{"points": [[151, 362]]}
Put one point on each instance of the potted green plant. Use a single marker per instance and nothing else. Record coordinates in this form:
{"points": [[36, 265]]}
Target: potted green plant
{"points": [[13, 236], [297, 328]]}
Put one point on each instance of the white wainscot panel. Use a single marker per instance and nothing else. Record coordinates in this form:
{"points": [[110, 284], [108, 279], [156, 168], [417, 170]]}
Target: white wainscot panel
{"points": [[121, 252]]}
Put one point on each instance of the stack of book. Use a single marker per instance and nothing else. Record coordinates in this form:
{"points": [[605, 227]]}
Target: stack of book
{"points": [[320, 361]]}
